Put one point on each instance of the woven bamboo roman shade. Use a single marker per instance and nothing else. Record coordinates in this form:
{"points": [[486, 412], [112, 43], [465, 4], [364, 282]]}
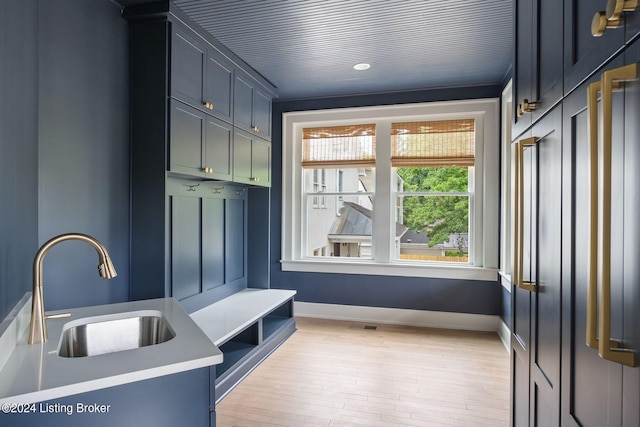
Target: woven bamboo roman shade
{"points": [[332, 146], [433, 143]]}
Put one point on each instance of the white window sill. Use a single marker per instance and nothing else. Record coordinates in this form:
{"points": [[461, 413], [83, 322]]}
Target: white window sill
{"points": [[445, 271], [506, 280]]}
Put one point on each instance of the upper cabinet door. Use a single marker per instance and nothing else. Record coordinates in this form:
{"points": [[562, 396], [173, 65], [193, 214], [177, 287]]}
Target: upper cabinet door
{"points": [[523, 65], [251, 159], [538, 60], [583, 53], [200, 75], [548, 61], [188, 58], [632, 25], [185, 139], [218, 149], [251, 107], [262, 114], [261, 162], [243, 102], [199, 145], [218, 86]]}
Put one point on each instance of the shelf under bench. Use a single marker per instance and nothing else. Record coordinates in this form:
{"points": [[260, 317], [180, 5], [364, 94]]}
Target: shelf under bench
{"points": [[247, 326]]}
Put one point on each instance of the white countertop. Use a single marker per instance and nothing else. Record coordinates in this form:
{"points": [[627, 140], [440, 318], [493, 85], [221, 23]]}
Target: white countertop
{"points": [[226, 318], [35, 373]]}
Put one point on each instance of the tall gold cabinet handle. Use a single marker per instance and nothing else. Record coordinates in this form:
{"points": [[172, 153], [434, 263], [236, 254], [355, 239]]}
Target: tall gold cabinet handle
{"points": [[520, 282], [607, 348], [592, 280]]}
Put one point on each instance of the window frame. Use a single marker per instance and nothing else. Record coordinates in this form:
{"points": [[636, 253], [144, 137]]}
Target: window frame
{"points": [[484, 227]]}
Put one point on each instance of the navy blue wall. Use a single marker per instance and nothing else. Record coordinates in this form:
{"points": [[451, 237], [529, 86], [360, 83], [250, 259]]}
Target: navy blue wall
{"points": [[64, 147], [481, 297], [18, 148], [83, 147]]}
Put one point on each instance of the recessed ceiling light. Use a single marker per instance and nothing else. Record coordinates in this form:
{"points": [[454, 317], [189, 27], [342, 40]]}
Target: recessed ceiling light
{"points": [[362, 66]]}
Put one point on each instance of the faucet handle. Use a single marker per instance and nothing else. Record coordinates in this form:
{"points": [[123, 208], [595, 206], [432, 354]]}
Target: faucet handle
{"points": [[57, 316]]}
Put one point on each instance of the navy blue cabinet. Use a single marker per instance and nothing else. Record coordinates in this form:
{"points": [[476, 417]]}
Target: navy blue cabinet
{"points": [[190, 225], [199, 145], [537, 66], [590, 39], [600, 309], [210, 94], [252, 106], [536, 289], [252, 159], [180, 399], [575, 317], [200, 76]]}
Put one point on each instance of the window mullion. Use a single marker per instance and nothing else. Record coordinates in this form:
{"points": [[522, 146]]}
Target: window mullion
{"points": [[383, 215]]}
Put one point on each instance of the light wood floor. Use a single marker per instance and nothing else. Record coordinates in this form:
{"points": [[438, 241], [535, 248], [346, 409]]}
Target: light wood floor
{"points": [[336, 373]]}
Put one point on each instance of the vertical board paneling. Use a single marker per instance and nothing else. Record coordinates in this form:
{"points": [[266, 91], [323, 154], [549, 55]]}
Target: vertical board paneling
{"points": [[213, 243], [234, 240], [185, 246]]}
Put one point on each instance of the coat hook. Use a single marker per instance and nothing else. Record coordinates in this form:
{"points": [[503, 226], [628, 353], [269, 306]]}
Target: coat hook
{"points": [[239, 192], [192, 187], [218, 190]]}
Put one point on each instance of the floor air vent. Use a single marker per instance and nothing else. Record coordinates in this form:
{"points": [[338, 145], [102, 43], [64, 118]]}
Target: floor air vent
{"points": [[361, 326]]}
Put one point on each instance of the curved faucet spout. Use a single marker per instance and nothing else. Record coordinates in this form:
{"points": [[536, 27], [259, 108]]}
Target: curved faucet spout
{"points": [[106, 270]]}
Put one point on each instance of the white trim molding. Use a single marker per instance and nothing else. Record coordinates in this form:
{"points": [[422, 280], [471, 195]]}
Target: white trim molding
{"points": [[505, 335], [485, 205], [398, 316]]}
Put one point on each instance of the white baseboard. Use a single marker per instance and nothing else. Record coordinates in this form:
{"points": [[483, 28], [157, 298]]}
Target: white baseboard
{"points": [[505, 335], [397, 316]]}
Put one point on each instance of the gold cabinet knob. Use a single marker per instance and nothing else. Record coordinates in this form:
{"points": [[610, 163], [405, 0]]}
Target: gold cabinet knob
{"points": [[600, 23], [207, 170], [208, 105], [255, 179], [612, 16], [615, 8], [527, 106], [256, 129]]}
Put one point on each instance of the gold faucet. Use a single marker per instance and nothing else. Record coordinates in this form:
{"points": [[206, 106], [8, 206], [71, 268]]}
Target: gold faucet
{"points": [[38, 327]]}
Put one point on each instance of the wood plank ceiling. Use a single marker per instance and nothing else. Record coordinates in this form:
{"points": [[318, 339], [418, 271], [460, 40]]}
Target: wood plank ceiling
{"points": [[307, 48]]}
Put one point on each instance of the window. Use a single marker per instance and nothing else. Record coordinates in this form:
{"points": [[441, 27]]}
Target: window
{"points": [[409, 190], [432, 163], [343, 152]]}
